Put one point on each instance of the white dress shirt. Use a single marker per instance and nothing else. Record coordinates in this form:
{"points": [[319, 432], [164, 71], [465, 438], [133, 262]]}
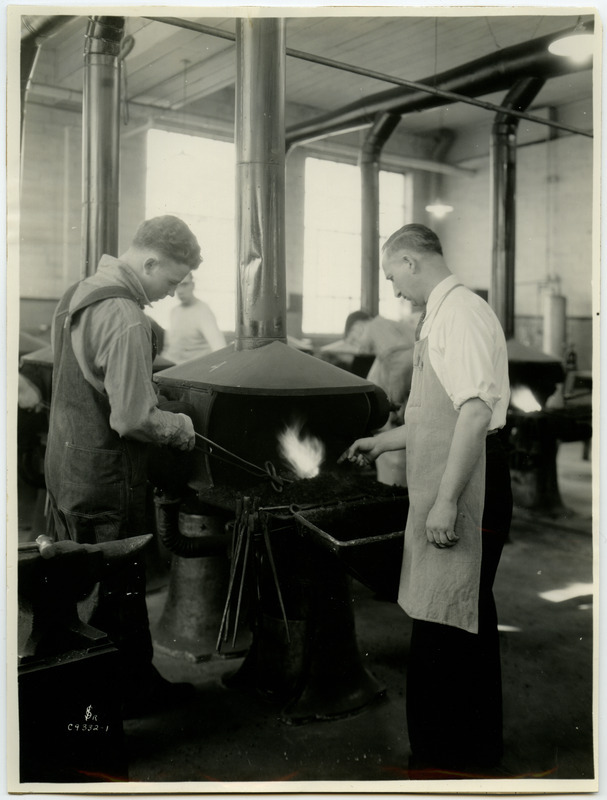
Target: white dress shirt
{"points": [[467, 348]]}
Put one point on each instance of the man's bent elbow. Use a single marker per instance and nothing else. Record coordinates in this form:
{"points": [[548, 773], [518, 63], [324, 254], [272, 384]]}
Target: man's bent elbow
{"points": [[130, 429], [477, 412]]}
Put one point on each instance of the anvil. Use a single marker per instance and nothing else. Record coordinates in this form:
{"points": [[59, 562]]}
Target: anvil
{"points": [[53, 578]]}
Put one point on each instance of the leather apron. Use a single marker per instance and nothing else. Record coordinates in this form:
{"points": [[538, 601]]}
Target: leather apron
{"points": [[438, 584]]}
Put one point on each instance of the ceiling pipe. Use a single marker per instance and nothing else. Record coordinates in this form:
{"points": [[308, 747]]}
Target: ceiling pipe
{"points": [[34, 32], [261, 311], [492, 73], [160, 113], [368, 162], [503, 196], [448, 96], [101, 140]]}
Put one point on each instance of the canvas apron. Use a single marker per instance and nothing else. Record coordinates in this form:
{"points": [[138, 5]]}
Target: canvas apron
{"points": [[438, 584]]}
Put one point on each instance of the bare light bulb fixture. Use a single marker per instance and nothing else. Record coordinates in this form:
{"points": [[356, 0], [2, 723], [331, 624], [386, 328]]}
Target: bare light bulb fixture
{"points": [[577, 45], [439, 209]]}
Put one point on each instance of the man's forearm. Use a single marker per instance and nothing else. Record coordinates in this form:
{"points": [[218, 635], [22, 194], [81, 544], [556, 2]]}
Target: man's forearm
{"points": [[393, 439]]}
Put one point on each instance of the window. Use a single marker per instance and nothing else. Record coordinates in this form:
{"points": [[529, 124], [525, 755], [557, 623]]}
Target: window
{"points": [[194, 178], [332, 242]]}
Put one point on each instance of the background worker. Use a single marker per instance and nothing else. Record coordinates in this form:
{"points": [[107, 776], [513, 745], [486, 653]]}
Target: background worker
{"points": [[104, 414], [193, 329], [392, 344], [459, 485]]}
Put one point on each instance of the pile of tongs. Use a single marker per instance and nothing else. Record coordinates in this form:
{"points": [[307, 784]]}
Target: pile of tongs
{"points": [[250, 547]]}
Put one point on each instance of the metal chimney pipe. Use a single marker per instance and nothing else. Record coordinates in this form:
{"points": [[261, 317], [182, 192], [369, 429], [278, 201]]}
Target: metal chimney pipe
{"points": [[260, 182], [370, 153], [503, 171], [491, 73], [100, 140], [34, 30]]}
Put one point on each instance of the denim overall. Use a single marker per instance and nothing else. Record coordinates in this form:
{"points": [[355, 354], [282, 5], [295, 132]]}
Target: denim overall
{"points": [[96, 484], [96, 478], [454, 695]]}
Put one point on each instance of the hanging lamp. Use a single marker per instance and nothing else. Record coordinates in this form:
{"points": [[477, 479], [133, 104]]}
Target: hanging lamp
{"points": [[577, 45], [439, 209]]}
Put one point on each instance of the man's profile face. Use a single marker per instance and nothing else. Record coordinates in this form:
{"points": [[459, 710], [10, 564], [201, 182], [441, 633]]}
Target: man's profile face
{"points": [[397, 269], [162, 276]]}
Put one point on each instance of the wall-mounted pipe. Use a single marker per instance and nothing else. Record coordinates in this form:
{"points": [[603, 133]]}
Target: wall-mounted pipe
{"points": [[260, 182], [492, 73], [368, 162], [100, 140], [34, 32], [160, 114], [503, 194]]}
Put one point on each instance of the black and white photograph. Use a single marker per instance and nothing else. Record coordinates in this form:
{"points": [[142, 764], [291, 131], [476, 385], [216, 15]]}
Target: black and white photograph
{"points": [[302, 368]]}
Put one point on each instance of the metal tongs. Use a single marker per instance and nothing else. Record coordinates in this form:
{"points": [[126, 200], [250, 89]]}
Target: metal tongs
{"points": [[267, 471], [250, 546]]}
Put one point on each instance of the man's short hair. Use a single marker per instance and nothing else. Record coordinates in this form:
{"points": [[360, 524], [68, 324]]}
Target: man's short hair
{"points": [[170, 236], [353, 318], [415, 237]]}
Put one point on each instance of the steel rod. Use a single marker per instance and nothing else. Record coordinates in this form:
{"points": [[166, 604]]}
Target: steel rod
{"points": [[381, 76]]}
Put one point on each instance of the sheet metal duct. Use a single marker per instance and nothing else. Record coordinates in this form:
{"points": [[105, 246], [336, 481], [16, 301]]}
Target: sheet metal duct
{"points": [[101, 140], [260, 182], [379, 134], [503, 159], [34, 31], [261, 376], [495, 72]]}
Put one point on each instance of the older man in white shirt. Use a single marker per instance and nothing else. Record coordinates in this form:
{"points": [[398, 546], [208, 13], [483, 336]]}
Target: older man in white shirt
{"points": [[459, 514]]}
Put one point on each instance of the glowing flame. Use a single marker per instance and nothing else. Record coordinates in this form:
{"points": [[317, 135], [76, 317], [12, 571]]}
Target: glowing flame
{"points": [[523, 399], [303, 453]]}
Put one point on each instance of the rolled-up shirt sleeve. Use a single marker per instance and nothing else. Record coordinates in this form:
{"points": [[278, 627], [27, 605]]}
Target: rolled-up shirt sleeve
{"points": [[467, 368], [127, 364]]}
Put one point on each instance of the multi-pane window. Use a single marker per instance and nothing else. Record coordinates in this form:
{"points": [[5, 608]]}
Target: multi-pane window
{"points": [[332, 242], [193, 178]]}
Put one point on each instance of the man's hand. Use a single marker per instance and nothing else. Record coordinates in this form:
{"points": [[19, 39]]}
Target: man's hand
{"points": [[185, 437], [440, 524], [361, 452]]}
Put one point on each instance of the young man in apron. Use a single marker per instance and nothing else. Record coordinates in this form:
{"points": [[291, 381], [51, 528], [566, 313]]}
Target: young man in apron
{"points": [[104, 414], [459, 514]]}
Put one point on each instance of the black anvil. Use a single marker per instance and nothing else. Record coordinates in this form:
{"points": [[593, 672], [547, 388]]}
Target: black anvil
{"points": [[53, 578]]}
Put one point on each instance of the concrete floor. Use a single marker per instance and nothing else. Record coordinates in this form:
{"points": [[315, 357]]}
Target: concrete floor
{"points": [[544, 597]]}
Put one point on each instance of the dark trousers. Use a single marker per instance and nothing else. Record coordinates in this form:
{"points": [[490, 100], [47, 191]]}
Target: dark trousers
{"points": [[454, 687]]}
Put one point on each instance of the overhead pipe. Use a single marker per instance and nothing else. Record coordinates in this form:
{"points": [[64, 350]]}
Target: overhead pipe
{"points": [[160, 113], [260, 182], [34, 32], [503, 194], [368, 161], [101, 139], [449, 96], [492, 73]]}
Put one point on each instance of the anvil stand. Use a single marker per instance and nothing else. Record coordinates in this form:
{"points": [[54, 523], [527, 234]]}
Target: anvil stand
{"points": [[70, 716], [304, 653]]}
